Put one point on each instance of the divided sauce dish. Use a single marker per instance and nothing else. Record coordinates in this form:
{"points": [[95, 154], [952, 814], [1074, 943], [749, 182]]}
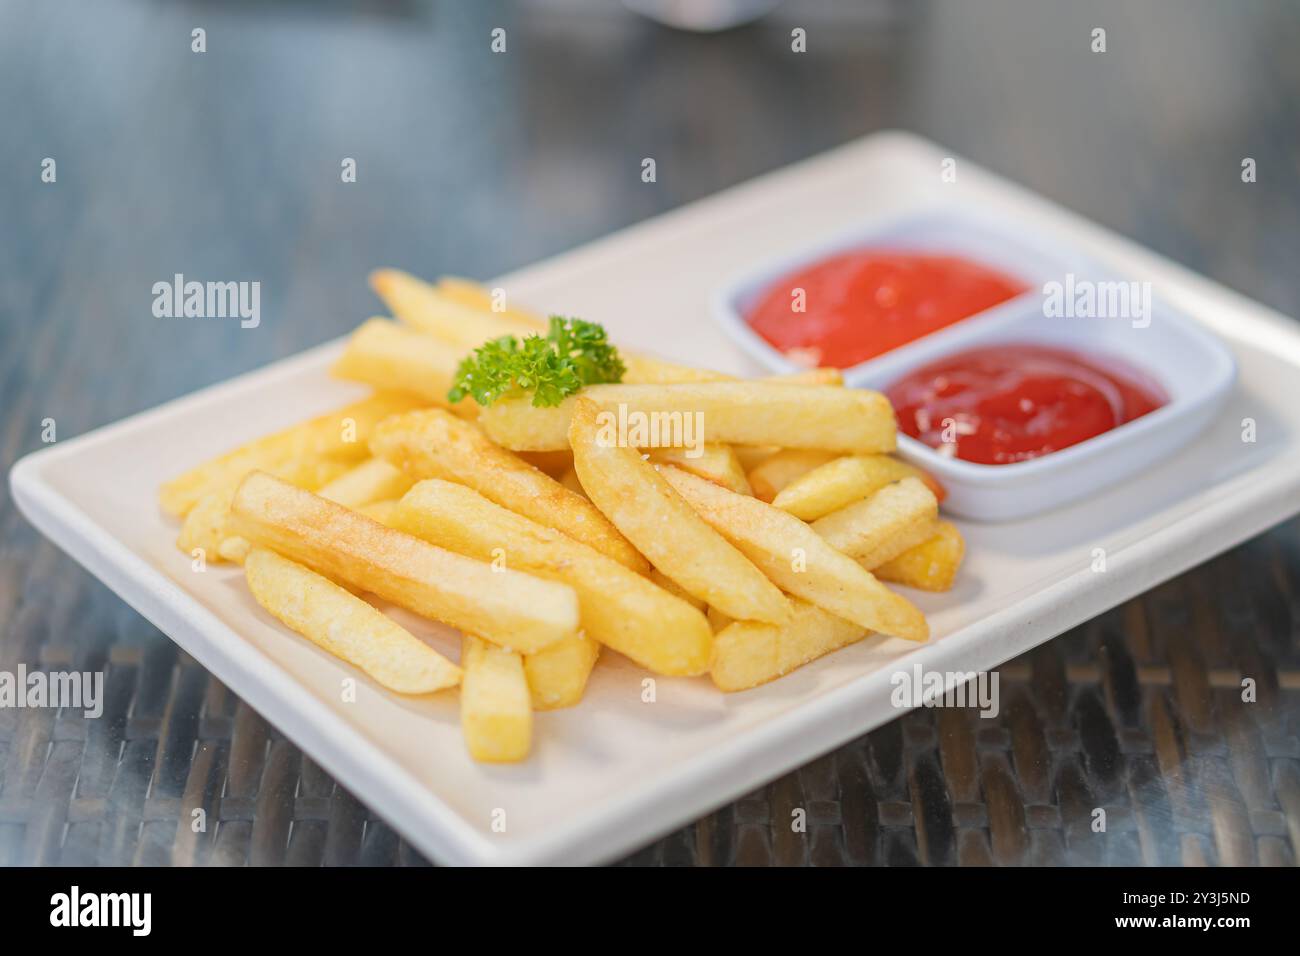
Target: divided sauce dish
{"points": [[1193, 369]]}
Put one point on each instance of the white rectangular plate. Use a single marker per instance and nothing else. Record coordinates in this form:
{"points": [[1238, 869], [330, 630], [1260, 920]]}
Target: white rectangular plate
{"points": [[616, 772]]}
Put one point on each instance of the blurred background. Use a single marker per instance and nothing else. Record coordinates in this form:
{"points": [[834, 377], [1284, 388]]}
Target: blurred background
{"points": [[226, 164]]}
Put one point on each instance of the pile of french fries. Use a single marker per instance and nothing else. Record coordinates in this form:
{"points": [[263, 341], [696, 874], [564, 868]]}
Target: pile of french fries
{"points": [[743, 559]]}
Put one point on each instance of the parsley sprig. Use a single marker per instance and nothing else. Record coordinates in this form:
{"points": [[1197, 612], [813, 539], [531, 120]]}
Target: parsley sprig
{"points": [[574, 353]]}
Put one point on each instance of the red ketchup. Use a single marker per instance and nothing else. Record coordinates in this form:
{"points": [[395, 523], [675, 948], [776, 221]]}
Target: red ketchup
{"points": [[860, 304], [1013, 402]]}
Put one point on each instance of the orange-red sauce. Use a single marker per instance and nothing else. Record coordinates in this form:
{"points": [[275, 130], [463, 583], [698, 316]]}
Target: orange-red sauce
{"points": [[1010, 402], [857, 305]]}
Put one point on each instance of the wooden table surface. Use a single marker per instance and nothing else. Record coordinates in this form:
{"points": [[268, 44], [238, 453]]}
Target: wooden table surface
{"points": [[226, 164]]}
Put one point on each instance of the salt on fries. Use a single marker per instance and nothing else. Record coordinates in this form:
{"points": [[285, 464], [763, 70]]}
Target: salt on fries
{"points": [[547, 525]]}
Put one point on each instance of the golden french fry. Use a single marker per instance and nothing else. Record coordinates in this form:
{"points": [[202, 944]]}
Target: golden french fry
{"points": [[841, 482], [877, 529], [751, 456], [340, 434], [795, 557], [557, 676], [718, 620], [553, 463], [475, 295], [747, 413], [372, 480], [435, 444], [675, 589], [511, 608], [635, 497], [346, 626], [715, 463], [779, 470], [385, 512], [417, 304], [207, 526], [496, 715], [810, 376], [617, 606], [931, 566], [570, 480], [749, 653], [648, 370], [387, 355]]}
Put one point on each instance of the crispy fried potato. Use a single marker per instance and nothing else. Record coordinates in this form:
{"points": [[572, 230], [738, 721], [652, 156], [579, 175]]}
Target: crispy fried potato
{"points": [[417, 304], [387, 355], [675, 589], [715, 463], [810, 376], [748, 653], [511, 608], [346, 626], [554, 463], [340, 434], [557, 676], [779, 470], [477, 296], [751, 456], [795, 557], [617, 607], [877, 529], [843, 481], [747, 413], [207, 526], [645, 508], [570, 480], [718, 620], [385, 512], [372, 480], [435, 444], [931, 566], [648, 370], [496, 715]]}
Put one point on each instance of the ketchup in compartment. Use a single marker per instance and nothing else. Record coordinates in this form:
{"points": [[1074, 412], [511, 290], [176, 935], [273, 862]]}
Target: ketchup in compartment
{"points": [[855, 305], [1012, 402]]}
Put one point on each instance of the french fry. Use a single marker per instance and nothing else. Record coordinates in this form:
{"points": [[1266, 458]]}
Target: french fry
{"points": [[748, 653], [796, 558], [387, 355], [496, 716], [346, 626], [570, 480], [340, 434], [207, 526], [748, 413], [810, 376], [931, 566], [642, 505], [751, 456], [617, 607], [385, 512], [842, 481], [372, 480], [477, 296], [718, 620], [877, 529], [779, 470], [675, 589], [715, 463], [648, 370], [421, 306], [554, 463], [557, 676], [435, 444], [511, 608]]}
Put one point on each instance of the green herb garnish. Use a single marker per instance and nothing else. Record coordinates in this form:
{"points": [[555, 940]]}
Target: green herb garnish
{"points": [[574, 353]]}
